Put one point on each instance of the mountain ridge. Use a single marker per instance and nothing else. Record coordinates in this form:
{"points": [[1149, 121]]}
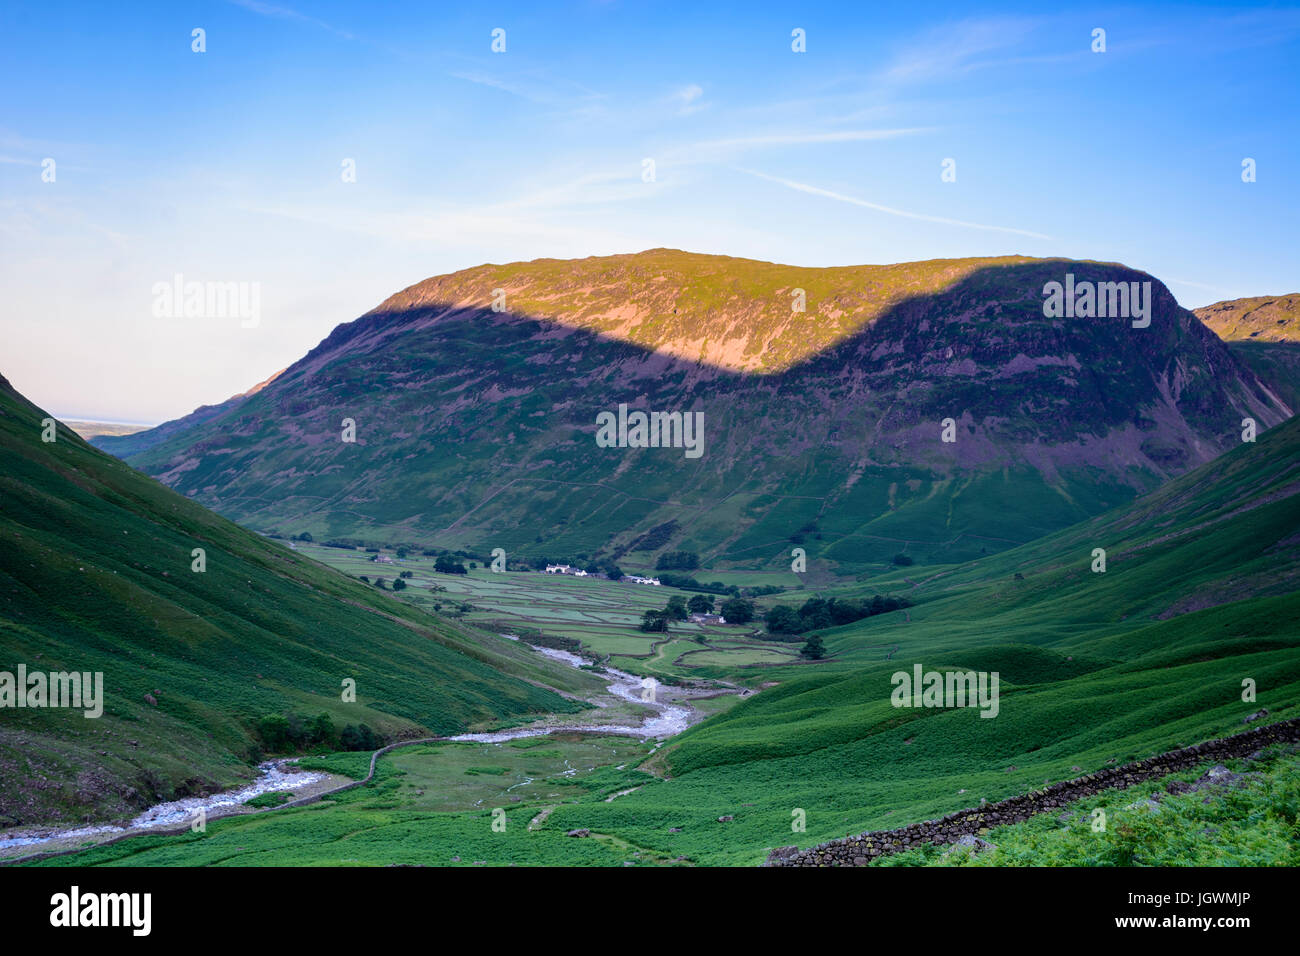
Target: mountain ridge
{"points": [[1075, 414]]}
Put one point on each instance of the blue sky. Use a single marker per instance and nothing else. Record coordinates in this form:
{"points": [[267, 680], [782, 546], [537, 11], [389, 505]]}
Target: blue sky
{"points": [[226, 165]]}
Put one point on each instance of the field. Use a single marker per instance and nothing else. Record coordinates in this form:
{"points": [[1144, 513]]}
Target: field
{"points": [[603, 615]]}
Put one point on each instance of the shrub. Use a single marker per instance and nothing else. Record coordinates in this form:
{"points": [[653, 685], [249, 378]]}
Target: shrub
{"points": [[814, 649]]}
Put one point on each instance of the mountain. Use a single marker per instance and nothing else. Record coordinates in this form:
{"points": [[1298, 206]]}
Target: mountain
{"points": [[1262, 318], [1264, 333], [97, 575], [477, 428], [135, 442]]}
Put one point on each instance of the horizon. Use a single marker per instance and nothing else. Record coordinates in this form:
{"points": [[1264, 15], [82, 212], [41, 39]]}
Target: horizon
{"points": [[232, 164]]}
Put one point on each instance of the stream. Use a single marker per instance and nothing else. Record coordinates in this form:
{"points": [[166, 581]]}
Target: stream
{"points": [[668, 719], [665, 721], [274, 777]]}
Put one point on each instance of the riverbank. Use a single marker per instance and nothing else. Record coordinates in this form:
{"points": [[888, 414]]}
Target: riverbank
{"points": [[663, 711]]}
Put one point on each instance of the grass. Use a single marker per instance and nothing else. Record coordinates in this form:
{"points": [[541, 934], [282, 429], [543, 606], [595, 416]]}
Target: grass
{"points": [[1254, 824], [1197, 606], [96, 575]]}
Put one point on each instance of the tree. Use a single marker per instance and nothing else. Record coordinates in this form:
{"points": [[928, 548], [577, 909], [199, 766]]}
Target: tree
{"points": [[676, 608], [700, 604], [446, 564], [654, 622], [902, 560], [369, 739], [814, 649], [613, 572], [782, 619], [274, 731], [399, 584], [737, 611], [322, 729]]}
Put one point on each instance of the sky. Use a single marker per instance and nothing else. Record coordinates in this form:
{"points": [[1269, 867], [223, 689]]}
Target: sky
{"points": [[232, 164]]}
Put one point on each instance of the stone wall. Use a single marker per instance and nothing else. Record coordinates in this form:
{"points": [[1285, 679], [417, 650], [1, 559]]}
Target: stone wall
{"points": [[862, 849]]}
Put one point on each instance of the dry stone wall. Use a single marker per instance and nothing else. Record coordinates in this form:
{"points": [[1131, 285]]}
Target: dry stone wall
{"points": [[862, 849]]}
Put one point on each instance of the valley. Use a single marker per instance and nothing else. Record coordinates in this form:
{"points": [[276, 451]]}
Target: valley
{"points": [[1096, 669], [546, 638]]}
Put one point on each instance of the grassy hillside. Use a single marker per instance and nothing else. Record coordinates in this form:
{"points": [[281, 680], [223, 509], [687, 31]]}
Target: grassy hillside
{"points": [[1096, 669], [1264, 318], [95, 575], [476, 428]]}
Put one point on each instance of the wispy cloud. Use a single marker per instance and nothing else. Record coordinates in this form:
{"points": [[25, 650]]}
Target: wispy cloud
{"points": [[840, 197], [687, 99], [722, 150], [1226, 293], [286, 13], [960, 47], [535, 87]]}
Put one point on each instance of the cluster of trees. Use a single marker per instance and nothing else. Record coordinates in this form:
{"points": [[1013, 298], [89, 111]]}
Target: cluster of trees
{"points": [[657, 621], [292, 733], [736, 611], [677, 561], [590, 565], [688, 583], [819, 613], [382, 583], [446, 564]]}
